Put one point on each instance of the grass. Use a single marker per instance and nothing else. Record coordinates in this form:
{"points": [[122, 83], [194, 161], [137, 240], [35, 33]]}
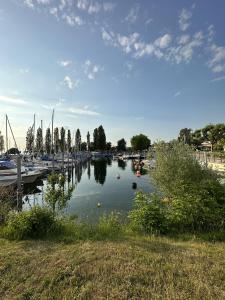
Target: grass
{"points": [[130, 267]]}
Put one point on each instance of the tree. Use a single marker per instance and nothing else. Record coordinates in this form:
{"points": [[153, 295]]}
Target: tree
{"points": [[56, 196], [121, 145], [101, 138], [77, 140], [83, 146], [30, 139], [69, 141], [48, 139], [1, 143], [185, 136], [140, 142], [108, 146], [39, 140], [197, 137], [88, 141], [56, 140], [62, 139], [95, 139]]}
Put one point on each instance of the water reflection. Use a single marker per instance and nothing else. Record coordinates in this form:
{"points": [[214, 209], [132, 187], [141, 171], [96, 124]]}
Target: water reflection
{"points": [[100, 172], [122, 164]]}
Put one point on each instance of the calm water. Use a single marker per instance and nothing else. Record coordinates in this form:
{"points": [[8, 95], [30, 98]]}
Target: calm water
{"points": [[96, 182]]}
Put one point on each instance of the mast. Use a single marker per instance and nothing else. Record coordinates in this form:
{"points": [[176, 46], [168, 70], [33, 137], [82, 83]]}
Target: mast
{"points": [[52, 131], [6, 132], [11, 132], [34, 135]]}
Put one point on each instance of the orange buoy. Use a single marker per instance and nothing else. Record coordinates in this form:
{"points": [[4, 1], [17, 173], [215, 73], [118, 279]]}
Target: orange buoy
{"points": [[138, 174]]}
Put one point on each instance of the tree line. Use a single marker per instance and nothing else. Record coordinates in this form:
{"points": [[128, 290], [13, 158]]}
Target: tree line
{"points": [[214, 133]]}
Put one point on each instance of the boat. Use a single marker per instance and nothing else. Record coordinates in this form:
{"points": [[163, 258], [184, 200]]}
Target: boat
{"points": [[8, 174]]}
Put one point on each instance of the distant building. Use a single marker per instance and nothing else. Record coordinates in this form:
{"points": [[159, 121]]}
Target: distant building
{"points": [[206, 146]]}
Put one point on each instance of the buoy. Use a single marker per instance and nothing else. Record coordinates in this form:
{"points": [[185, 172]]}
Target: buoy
{"points": [[118, 176], [138, 174], [98, 204], [134, 185]]}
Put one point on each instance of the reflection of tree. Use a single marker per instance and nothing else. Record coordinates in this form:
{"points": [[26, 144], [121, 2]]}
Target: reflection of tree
{"points": [[89, 169], [100, 170], [109, 162], [122, 164], [78, 172]]}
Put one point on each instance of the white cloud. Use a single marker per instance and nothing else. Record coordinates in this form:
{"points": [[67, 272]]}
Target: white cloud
{"points": [[91, 69], [177, 94], [82, 111], [24, 71], [164, 41], [127, 42], [71, 84], [45, 2], [94, 8], [11, 100], [184, 19], [218, 79], [65, 63], [29, 3], [73, 20], [133, 14], [183, 39], [108, 6], [54, 11], [82, 4], [217, 62], [211, 33]]}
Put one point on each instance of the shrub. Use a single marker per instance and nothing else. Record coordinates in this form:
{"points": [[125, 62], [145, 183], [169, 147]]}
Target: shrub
{"points": [[109, 226], [149, 213], [35, 223]]}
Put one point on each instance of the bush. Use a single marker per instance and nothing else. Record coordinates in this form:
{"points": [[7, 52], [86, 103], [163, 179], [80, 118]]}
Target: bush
{"points": [[109, 226], [35, 223], [149, 214]]}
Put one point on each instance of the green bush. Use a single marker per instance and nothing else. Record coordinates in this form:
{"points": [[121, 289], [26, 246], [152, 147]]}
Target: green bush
{"points": [[149, 214], [35, 223], [109, 226]]}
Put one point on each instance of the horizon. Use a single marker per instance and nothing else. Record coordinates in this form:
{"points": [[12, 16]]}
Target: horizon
{"points": [[135, 67]]}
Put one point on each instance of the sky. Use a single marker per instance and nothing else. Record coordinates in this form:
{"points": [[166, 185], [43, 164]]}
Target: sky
{"points": [[148, 66]]}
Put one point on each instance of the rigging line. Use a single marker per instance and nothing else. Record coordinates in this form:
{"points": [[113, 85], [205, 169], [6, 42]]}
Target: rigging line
{"points": [[12, 133]]}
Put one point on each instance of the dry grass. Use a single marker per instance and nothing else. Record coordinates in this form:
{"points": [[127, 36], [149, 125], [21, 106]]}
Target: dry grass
{"points": [[135, 268]]}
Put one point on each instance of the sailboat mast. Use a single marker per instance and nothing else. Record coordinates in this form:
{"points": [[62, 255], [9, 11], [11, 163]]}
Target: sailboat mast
{"points": [[6, 132], [53, 112]]}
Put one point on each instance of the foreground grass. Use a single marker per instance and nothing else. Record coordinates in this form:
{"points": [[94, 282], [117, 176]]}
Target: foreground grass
{"points": [[135, 267]]}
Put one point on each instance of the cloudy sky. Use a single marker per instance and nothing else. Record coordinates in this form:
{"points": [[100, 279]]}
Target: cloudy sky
{"points": [[150, 66]]}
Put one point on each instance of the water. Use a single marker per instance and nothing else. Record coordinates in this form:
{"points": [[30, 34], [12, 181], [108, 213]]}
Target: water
{"points": [[96, 182]]}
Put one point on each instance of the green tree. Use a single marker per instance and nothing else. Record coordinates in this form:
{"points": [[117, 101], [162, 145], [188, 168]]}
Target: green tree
{"points": [[101, 138], [83, 146], [185, 136], [108, 146], [121, 145], [30, 139], [1, 143], [56, 196], [39, 140], [77, 140], [95, 139], [48, 139], [62, 140], [197, 137], [88, 141], [69, 141], [56, 140], [140, 142]]}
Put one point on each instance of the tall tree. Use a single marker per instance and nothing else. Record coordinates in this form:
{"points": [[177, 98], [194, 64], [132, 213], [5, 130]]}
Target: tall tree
{"points": [[39, 140], [121, 145], [83, 146], [140, 142], [56, 140], [62, 139], [185, 136], [2, 147], [69, 141], [48, 140], [30, 139], [88, 141], [95, 139], [108, 146], [101, 138], [77, 140]]}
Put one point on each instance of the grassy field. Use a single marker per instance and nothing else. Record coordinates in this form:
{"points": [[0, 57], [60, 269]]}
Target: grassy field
{"points": [[134, 267]]}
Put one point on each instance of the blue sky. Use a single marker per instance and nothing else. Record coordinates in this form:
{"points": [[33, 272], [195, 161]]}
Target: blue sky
{"points": [[150, 66]]}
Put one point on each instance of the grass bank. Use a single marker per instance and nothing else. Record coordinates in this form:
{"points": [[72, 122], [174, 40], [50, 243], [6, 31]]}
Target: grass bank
{"points": [[133, 267]]}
